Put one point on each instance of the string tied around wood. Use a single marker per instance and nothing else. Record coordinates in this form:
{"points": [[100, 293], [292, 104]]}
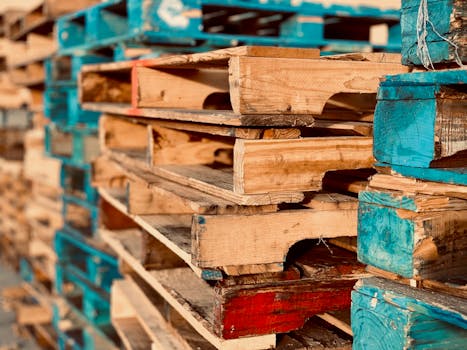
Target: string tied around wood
{"points": [[423, 51]]}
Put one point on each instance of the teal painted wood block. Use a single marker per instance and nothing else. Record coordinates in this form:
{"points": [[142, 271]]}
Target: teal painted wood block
{"points": [[391, 316], [446, 17], [397, 234], [421, 120]]}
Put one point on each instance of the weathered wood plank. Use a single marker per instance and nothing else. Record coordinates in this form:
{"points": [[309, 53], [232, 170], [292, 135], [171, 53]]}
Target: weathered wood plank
{"points": [[446, 17], [264, 238], [262, 85], [420, 120], [266, 166], [395, 238], [388, 315]]}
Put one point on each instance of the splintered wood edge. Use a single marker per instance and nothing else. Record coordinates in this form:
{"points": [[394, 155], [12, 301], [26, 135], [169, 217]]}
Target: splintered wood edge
{"points": [[249, 343]]}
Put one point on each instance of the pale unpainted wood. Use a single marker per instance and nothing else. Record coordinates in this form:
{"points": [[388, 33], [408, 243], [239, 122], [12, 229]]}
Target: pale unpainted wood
{"points": [[235, 131], [262, 166], [172, 231], [177, 88], [414, 186], [212, 59], [118, 133], [216, 182], [205, 116], [56, 8], [265, 238], [290, 86], [32, 314], [125, 293], [147, 193], [190, 296], [107, 174], [132, 335], [168, 146]]}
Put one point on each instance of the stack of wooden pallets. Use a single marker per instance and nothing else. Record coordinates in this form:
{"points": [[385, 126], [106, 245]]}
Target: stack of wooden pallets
{"points": [[226, 180], [413, 217]]}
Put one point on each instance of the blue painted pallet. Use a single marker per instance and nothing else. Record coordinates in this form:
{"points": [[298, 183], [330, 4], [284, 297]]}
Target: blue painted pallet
{"points": [[76, 180], [61, 106], [72, 145], [420, 120], [220, 22], [390, 316], [19, 118], [80, 217], [93, 265], [446, 19], [398, 235], [63, 70], [90, 302]]}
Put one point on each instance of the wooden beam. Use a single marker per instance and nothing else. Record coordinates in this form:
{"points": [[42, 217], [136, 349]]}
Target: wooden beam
{"points": [[291, 86], [262, 166], [264, 238]]}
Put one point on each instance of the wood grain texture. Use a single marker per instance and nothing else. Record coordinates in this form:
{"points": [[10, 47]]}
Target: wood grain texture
{"points": [[265, 238], [393, 237], [388, 315], [421, 123], [276, 165], [275, 86]]}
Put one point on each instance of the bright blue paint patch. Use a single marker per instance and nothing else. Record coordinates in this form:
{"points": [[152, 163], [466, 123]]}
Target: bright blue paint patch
{"points": [[384, 239]]}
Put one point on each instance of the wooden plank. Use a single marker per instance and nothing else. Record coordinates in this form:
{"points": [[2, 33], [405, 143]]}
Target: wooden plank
{"points": [[456, 288], [150, 194], [32, 314], [264, 238], [230, 131], [409, 185], [263, 85], [217, 182], [272, 165], [395, 238], [387, 315], [128, 301], [161, 89], [206, 116]]}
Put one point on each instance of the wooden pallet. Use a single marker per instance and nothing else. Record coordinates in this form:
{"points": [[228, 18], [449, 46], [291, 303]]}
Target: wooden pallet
{"points": [[204, 230], [143, 319], [221, 314], [245, 85], [273, 169], [390, 315], [40, 19], [26, 67]]}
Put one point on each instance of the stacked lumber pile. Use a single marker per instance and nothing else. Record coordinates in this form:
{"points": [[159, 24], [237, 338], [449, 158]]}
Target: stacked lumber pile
{"points": [[228, 183], [412, 217]]}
